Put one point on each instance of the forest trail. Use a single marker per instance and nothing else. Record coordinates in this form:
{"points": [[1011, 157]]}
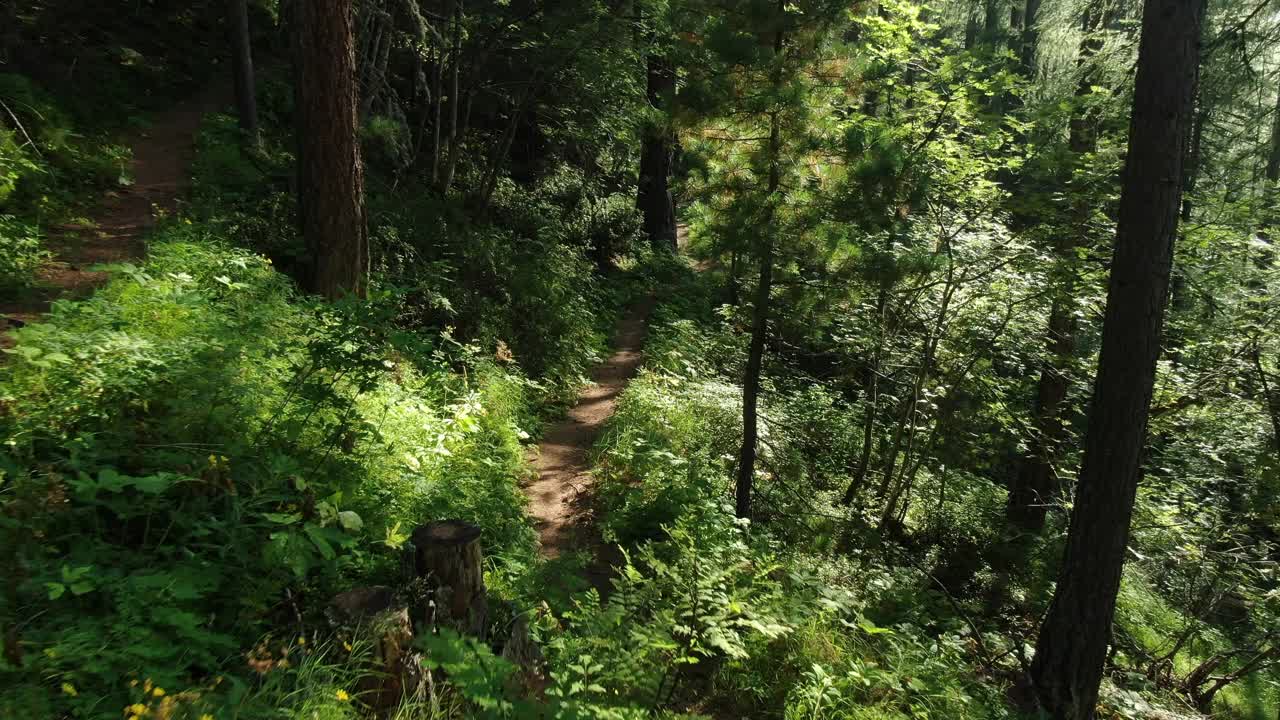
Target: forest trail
{"points": [[161, 171], [562, 461]]}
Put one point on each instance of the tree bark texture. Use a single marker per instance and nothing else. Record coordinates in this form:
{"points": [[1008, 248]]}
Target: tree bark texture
{"points": [[1072, 646], [657, 152], [242, 67], [330, 175], [745, 481], [1030, 40], [448, 557]]}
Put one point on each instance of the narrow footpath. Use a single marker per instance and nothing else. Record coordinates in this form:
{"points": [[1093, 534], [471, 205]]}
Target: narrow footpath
{"points": [[161, 172], [562, 461]]}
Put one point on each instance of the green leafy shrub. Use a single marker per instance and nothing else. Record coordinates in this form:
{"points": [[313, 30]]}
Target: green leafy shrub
{"points": [[49, 161], [21, 253], [195, 453]]}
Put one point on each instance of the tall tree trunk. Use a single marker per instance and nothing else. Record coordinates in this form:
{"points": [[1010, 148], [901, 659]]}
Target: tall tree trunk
{"points": [[1036, 485], [455, 145], [1194, 152], [656, 153], [745, 481], [991, 24], [1273, 155], [330, 176], [928, 358], [1270, 397], [871, 399], [1072, 646], [242, 69], [971, 29], [455, 97], [436, 112], [1030, 40]]}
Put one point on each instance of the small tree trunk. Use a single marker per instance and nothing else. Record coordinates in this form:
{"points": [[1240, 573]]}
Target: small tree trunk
{"points": [[455, 100], [1072, 645], [437, 113], [872, 392], [991, 35], [871, 402], [455, 144], [1270, 397], [1273, 157], [1036, 485], [330, 174], [733, 283], [1030, 40], [745, 481], [447, 556], [242, 69]]}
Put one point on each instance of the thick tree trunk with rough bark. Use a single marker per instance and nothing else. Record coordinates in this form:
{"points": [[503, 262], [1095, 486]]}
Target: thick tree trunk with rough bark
{"points": [[330, 175], [1072, 646], [657, 151], [242, 68]]}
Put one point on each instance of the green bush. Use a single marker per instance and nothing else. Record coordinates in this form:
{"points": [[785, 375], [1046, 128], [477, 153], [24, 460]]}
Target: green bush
{"points": [[21, 253], [49, 162], [195, 454]]}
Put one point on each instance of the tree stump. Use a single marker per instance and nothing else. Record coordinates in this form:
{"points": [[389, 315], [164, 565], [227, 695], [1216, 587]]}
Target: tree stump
{"points": [[447, 558], [377, 613]]}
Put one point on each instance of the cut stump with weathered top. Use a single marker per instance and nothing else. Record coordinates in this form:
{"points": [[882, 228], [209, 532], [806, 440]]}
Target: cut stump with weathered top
{"points": [[448, 559]]}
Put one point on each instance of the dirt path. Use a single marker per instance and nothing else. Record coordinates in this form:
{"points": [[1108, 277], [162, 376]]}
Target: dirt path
{"points": [[564, 470], [161, 171]]}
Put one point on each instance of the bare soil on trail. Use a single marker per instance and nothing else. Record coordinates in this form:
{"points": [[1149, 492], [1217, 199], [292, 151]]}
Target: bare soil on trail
{"points": [[557, 497], [161, 172]]}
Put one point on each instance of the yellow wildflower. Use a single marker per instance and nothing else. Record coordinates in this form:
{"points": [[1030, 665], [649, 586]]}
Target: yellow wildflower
{"points": [[158, 692], [302, 641], [137, 709], [70, 689], [342, 695], [346, 646], [206, 716], [146, 686]]}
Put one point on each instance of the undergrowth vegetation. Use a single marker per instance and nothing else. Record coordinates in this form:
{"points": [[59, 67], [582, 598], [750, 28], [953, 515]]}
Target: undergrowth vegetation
{"points": [[198, 457], [841, 483]]}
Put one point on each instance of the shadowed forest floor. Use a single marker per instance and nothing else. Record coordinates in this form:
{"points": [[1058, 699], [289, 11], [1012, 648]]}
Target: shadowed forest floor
{"points": [[160, 171]]}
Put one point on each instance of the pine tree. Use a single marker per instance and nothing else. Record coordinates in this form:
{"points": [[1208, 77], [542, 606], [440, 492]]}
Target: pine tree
{"points": [[1072, 645], [657, 152], [330, 175]]}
